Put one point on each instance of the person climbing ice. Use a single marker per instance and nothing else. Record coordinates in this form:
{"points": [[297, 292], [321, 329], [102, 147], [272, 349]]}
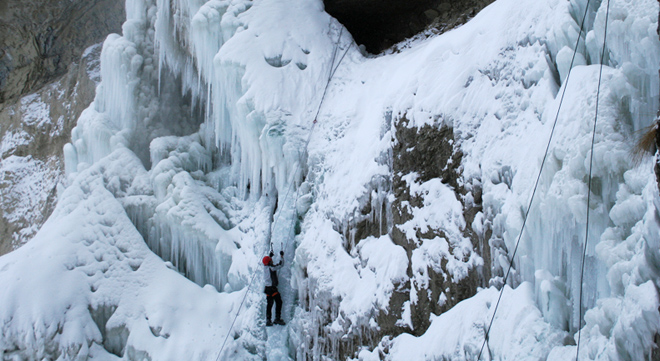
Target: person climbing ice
{"points": [[272, 294]]}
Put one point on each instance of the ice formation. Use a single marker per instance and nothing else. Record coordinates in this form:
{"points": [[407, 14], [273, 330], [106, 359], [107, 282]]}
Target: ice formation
{"points": [[193, 161]]}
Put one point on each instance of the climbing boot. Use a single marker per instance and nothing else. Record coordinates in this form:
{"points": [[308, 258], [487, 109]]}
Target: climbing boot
{"points": [[279, 321], [268, 323]]}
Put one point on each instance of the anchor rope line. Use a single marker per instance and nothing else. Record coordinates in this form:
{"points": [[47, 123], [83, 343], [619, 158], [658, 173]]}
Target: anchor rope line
{"points": [[538, 179], [591, 161], [332, 71], [311, 131], [254, 275], [309, 138], [330, 74]]}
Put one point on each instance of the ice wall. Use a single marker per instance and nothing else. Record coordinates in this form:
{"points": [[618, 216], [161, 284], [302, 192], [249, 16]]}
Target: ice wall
{"points": [[261, 83], [167, 72], [555, 235], [217, 99]]}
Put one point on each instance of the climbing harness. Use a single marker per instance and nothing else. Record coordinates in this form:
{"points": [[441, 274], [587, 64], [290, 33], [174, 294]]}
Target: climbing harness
{"points": [[591, 161], [332, 71], [538, 178]]}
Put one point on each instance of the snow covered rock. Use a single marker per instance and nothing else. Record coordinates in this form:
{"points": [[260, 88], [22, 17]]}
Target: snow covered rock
{"points": [[34, 129]]}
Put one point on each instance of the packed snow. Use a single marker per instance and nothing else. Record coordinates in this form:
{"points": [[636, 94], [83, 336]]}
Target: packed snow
{"points": [[202, 152], [26, 184]]}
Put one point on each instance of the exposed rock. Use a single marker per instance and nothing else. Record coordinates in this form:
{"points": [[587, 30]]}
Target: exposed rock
{"points": [[34, 130], [430, 152], [40, 39], [379, 24]]}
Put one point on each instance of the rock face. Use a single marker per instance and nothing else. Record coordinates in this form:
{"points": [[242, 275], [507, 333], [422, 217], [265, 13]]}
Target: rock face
{"points": [[40, 39], [35, 128], [430, 153], [379, 24], [44, 86], [427, 155]]}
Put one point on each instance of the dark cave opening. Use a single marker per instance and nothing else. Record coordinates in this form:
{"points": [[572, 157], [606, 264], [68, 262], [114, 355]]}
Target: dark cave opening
{"points": [[379, 24]]}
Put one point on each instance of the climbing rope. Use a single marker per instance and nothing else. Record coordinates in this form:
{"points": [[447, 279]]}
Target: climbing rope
{"points": [[236, 317], [591, 161], [332, 71], [309, 138], [538, 178], [330, 74]]}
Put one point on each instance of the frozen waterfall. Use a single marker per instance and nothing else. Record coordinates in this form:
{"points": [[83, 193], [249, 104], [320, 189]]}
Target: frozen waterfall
{"points": [[398, 220]]}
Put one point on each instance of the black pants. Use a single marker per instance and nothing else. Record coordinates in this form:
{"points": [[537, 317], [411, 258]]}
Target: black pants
{"points": [[273, 295]]}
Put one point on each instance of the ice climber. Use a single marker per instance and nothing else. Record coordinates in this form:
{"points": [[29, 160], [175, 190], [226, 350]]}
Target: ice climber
{"points": [[272, 294]]}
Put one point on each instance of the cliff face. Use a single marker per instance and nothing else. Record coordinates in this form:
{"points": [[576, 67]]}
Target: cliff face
{"points": [[45, 83], [42, 38], [35, 127], [404, 208]]}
